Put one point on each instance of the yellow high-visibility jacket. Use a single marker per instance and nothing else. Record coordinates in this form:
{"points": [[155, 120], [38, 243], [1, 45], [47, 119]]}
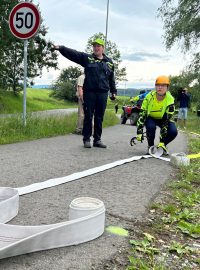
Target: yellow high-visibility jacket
{"points": [[166, 113], [149, 100]]}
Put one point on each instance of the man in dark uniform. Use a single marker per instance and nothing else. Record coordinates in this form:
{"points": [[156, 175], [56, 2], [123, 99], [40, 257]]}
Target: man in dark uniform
{"points": [[99, 79]]}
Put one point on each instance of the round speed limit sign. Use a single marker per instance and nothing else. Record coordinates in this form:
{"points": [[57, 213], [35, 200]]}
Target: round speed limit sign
{"points": [[24, 20]]}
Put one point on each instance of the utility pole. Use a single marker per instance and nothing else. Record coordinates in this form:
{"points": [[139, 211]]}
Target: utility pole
{"points": [[107, 24]]}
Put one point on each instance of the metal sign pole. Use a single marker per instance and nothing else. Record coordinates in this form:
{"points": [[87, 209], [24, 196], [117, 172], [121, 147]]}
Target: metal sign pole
{"points": [[25, 75], [25, 79]]}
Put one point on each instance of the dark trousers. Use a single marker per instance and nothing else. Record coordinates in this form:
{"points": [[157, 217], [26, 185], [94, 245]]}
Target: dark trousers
{"points": [[151, 124], [94, 105]]}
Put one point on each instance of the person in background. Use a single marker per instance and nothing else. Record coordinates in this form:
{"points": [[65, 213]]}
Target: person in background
{"points": [[184, 101], [139, 99], [116, 107], [79, 94], [99, 80], [157, 110]]}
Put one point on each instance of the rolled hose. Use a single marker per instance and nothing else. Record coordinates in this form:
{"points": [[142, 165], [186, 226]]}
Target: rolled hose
{"points": [[155, 152], [86, 217], [180, 159], [86, 222]]}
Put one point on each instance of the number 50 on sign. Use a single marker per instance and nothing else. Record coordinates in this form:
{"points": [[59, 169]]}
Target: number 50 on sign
{"points": [[24, 20]]}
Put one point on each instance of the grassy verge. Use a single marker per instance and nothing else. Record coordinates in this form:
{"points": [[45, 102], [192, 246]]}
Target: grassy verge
{"points": [[170, 238], [12, 129], [193, 124], [37, 100]]}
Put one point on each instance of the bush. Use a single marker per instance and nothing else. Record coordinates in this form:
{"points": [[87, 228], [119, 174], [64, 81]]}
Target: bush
{"points": [[64, 91]]}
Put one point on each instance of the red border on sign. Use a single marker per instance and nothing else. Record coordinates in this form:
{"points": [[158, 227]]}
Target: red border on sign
{"points": [[37, 21]]}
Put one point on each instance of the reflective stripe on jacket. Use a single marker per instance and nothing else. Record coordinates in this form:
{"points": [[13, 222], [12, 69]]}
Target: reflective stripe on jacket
{"points": [[166, 113], [99, 73], [149, 99]]}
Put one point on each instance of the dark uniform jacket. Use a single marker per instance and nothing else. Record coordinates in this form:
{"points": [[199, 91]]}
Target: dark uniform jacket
{"points": [[99, 73], [184, 100]]}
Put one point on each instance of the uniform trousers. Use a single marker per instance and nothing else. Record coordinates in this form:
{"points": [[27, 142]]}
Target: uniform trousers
{"points": [[94, 105], [151, 124]]}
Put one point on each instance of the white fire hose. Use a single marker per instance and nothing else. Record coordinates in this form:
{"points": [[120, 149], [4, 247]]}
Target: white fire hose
{"points": [[180, 159], [86, 217], [86, 222]]}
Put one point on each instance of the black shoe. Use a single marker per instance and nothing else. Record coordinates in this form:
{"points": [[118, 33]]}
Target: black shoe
{"points": [[99, 144], [87, 144]]}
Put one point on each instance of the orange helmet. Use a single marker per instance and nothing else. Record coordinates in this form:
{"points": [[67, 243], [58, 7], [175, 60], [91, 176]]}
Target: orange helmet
{"points": [[162, 80]]}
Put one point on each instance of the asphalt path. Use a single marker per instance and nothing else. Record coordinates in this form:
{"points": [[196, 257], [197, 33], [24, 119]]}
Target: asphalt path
{"points": [[44, 113], [125, 190]]}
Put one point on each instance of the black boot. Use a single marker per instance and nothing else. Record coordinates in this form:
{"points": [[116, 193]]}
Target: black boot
{"points": [[99, 144]]}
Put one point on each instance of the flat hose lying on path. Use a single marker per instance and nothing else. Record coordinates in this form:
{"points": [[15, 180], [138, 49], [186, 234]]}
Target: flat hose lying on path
{"points": [[86, 217]]}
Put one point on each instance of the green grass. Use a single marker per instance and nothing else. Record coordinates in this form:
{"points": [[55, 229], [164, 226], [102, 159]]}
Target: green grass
{"points": [[12, 129], [193, 123], [121, 100], [36, 100], [39, 100]]}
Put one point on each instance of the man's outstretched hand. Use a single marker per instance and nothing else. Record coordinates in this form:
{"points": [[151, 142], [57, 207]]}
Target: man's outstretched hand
{"points": [[55, 47]]}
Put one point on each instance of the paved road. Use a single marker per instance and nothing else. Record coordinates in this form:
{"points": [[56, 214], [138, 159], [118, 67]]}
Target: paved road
{"points": [[44, 113], [126, 191]]}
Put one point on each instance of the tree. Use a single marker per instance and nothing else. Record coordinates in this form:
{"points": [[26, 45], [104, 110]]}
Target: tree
{"points": [[182, 25], [5, 36], [113, 53], [181, 22], [12, 52], [65, 85]]}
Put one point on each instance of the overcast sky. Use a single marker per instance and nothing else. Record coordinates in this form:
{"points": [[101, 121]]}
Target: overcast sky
{"points": [[132, 25]]}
